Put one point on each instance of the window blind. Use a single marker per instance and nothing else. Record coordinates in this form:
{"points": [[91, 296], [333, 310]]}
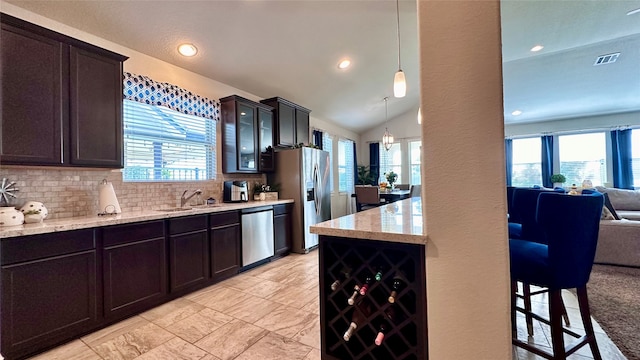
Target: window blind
{"points": [[164, 145], [345, 165]]}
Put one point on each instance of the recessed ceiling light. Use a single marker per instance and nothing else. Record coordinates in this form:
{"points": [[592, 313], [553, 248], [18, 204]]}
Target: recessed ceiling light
{"points": [[344, 64], [516, 113], [634, 11], [187, 49], [537, 48]]}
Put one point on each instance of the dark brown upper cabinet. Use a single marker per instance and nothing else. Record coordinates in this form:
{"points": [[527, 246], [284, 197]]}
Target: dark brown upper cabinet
{"points": [[61, 99], [247, 135], [291, 122]]}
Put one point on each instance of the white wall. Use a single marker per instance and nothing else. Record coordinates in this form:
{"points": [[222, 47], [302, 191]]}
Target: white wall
{"points": [[574, 124], [467, 254], [401, 127]]}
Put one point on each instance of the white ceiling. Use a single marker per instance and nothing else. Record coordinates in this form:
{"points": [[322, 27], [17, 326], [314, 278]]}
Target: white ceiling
{"points": [[291, 49]]}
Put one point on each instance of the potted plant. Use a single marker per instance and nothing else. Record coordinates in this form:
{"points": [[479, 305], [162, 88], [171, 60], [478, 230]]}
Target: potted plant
{"points": [[265, 192], [391, 177], [364, 176], [558, 180]]}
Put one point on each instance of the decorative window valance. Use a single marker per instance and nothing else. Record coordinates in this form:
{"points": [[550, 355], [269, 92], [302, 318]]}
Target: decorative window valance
{"points": [[142, 89]]}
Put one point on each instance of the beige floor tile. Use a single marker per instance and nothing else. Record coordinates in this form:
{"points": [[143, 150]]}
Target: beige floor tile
{"points": [[199, 325], [310, 333], [294, 296], [172, 312], [174, 349], [231, 339], [286, 321], [134, 343], [242, 282], [275, 347], [265, 288], [314, 354], [75, 350], [113, 331], [252, 309], [220, 298], [312, 306]]}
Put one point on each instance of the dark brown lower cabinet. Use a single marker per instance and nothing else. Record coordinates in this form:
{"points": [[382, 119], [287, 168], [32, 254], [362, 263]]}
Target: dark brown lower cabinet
{"points": [[188, 253], [225, 243], [134, 268], [282, 228], [49, 290]]}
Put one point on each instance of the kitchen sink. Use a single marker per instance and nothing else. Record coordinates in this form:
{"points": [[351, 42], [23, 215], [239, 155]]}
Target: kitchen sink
{"points": [[174, 209]]}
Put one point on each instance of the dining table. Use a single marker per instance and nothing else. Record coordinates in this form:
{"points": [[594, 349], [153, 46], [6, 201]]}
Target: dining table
{"points": [[394, 195]]}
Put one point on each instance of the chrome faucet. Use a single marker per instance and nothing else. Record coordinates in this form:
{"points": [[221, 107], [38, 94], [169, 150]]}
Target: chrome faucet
{"points": [[183, 199]]}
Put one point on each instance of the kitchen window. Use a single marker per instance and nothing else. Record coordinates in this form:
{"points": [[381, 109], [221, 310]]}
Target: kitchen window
{"points": [[345, 166], [415, 154], [391, 160], [165, 145]]}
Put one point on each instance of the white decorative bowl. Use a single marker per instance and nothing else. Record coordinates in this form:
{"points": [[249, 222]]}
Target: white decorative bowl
{"points": [[9, 216], [35, 205]]}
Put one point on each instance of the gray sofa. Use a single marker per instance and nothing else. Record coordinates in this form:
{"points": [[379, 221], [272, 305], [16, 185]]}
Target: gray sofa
{"points": [[619, 240]]}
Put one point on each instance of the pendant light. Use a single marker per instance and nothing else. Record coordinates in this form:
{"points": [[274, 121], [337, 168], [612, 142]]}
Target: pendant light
{"points": [[399, 81], [387, 138]]}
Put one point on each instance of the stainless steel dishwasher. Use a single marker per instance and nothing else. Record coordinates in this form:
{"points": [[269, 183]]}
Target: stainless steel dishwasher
{"points": [[257, 234]]}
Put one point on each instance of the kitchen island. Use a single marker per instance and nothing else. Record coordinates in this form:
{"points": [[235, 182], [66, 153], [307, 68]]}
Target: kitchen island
{"points": [[373, 284]]}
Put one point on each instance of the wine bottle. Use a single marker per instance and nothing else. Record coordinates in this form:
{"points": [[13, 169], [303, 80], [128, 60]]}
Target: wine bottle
{"points": [[365, 287], [345, 273], [395, 317], [382, 330], [399, 282], [379, 273], [352, 299], [359, 316]]}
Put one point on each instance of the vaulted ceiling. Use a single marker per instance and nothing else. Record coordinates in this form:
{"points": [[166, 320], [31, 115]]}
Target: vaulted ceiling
{"points": [[291, 49]]}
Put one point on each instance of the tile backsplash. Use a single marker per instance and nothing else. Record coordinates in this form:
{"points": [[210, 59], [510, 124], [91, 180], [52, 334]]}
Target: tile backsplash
{"points": [[73, 192]]}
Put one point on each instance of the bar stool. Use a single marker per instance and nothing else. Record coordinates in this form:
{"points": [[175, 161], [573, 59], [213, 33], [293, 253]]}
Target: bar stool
{"points": [[570, 225]]}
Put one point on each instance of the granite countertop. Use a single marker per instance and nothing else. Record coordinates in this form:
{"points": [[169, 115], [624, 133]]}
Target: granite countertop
{"points": [[74, 223], [400, 221]]}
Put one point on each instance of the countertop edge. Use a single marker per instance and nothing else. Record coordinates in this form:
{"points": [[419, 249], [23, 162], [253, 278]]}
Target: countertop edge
{"points": [[76, 223]]}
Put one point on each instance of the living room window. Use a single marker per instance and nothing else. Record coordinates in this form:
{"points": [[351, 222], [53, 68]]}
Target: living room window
{"points": [[164, 145], [583, 157], [527, 164]]}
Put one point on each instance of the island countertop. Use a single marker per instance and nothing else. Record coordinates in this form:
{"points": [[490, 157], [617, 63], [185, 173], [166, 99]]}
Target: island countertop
{"points": [[75, 223], [400, 221]]}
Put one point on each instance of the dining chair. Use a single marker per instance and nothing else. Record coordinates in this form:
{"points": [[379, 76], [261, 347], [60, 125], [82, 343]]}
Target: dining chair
{"points": [[367, 197], [415, 191], [402, 186], [523, 225], [570, 224]]}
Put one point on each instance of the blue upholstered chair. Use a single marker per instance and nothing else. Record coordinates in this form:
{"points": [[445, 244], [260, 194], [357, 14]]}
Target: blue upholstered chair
{"points": [[570, 226]]}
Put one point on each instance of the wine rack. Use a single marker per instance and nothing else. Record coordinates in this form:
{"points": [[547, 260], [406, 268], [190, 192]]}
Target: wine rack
{"points": [[352, 262]]}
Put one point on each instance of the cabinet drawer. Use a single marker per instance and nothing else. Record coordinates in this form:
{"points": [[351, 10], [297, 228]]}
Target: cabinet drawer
{"points": [[122, 234], [27, 248], [227, 218], [187, 224], [281, 209]]}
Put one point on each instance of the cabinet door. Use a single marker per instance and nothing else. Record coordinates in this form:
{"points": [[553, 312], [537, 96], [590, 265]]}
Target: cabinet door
{"points": [[34, 89], [96, 110], [47, 301], [286, 125], [282, 233], [135, 276], [189, 260], [225, 251], [265, 125], [247, 151], [302, 127]]}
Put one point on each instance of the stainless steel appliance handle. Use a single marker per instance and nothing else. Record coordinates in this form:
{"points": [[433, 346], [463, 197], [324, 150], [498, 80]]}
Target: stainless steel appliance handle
{"points": [[316, 189]]}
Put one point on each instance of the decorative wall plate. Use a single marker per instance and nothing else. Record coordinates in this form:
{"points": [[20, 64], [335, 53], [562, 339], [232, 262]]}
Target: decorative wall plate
{"points": [[7, 192]]}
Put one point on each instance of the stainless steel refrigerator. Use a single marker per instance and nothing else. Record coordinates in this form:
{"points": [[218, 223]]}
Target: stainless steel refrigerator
{"points": [[303, 175]]}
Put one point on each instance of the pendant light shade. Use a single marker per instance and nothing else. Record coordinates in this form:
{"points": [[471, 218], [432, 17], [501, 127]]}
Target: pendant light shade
{"points": [[399, 85], [399, 81], [387, 138], [419, 116]]}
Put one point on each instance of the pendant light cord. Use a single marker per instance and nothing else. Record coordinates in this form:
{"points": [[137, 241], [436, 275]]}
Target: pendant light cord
{"points": [[398, 22]]}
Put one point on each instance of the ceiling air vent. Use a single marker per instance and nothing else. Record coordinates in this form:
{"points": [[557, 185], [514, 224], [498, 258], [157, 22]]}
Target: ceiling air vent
{"points": [[606, 59]]}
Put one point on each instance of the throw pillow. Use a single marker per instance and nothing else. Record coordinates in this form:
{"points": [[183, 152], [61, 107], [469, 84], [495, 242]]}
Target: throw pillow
{"points": [[609, 206], [606, 214]]}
